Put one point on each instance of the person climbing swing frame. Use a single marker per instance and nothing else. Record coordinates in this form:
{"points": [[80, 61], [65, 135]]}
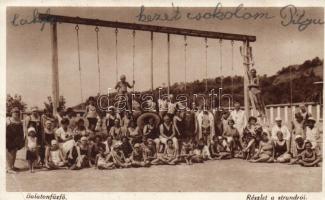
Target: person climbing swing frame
{"points": [[55, 19]]}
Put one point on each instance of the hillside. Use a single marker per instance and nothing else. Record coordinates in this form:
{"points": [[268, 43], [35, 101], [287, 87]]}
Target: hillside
{"points": [[275, 88]]}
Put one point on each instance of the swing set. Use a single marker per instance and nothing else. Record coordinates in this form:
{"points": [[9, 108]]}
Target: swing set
{"points": [[246, 50]]}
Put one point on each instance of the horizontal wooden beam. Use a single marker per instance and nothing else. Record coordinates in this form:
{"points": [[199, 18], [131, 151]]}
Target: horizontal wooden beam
{"points": [[144, 27]]}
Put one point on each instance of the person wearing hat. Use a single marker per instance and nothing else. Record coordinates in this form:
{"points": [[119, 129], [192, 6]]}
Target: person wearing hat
{"points": [[31, 148], [54, 158], [34, 120], [251, 136], [312, 132], [14, 138], [278, 126], [91, 114]]}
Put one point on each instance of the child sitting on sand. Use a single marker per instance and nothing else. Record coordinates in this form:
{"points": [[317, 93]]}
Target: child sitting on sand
{"points": [[309, 157], [119, 159], [265, 150], [221, 148], [102, 159], [170, 155], [138, 157], [54, 158], [187, 151]]}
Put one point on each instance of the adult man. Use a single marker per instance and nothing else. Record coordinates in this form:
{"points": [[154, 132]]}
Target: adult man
{"points": [[279, 127], [239, 118]]}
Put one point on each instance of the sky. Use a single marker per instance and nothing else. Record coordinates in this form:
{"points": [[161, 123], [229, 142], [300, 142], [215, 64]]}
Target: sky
{"points": [[28, 69]]}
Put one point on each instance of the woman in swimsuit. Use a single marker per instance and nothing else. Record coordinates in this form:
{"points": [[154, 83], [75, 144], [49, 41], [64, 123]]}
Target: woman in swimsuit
{"points": [[281, 149]]}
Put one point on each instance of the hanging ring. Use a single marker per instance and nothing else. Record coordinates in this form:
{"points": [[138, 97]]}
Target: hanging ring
{"points": [[96, 29], [116, 30], [133, 33], [232, 43], [76, 27]]}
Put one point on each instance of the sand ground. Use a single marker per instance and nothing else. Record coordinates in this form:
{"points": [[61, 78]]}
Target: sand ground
{"points": [[212, 176]]}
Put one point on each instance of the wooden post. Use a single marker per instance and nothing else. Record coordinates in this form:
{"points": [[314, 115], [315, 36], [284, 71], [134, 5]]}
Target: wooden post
{"points": [[246, 60], [55, 67], [151, 64]]}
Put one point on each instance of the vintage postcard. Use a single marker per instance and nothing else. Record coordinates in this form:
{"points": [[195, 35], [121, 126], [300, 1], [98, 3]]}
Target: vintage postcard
{"points": [[221, 98]]}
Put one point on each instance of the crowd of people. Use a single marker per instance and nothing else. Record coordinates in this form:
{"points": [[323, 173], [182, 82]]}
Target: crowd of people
{"points": [[169, 135]]}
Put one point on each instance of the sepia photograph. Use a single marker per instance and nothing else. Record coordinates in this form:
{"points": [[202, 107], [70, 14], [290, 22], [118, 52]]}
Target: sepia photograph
{"points": [[164, 99]]}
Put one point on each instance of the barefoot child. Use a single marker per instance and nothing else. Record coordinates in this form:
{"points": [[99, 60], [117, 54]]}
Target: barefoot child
{"points": [[31, 146], [54, 158], [138, 157], [265, 150], [118, 157], [187, 151], [309, 157], [102, 159], [170, 155]]}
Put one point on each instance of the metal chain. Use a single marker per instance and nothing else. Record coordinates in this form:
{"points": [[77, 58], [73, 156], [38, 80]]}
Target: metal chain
{"points": [[79, 63], [98, 64]]}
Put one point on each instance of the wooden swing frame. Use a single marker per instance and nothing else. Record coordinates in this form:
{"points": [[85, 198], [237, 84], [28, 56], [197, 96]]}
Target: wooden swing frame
{"points": [[55, 19]]}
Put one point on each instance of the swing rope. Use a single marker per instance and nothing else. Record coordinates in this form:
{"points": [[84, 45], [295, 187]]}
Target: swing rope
{"points": [[151, 62], [79, 64], [133, 55], [168, 62], [116, 54], [220, 47], [185, 60], [98, 65], [232, 68], [206, 64]]}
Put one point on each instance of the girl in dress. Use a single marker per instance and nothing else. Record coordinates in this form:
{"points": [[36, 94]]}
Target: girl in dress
{"points": [[91, 114], [31, 146]]}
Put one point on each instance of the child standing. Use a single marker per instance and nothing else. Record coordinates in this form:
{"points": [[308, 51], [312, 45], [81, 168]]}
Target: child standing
{"points": [[31, 146], [91, 114]]}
